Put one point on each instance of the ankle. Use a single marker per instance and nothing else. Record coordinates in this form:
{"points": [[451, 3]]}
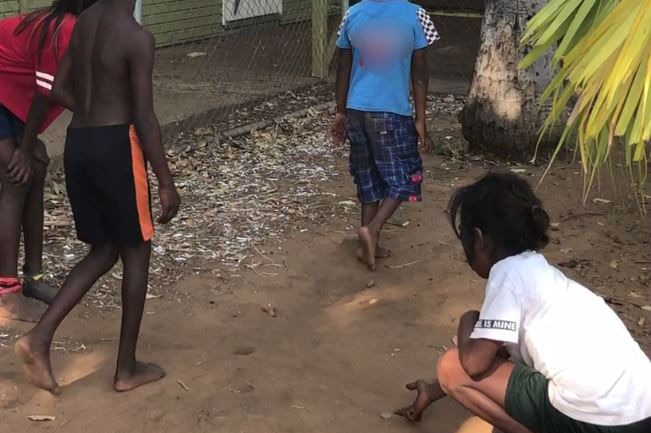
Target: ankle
{"points": [[38, 339], [125, 369], [374, 229], [32, 271]]}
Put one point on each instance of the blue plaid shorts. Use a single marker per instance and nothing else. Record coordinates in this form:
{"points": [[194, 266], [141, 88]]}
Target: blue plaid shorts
{"points": [[384, 158]]}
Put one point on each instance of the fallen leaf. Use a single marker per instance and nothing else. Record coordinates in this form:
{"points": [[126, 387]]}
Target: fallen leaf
{"points": [[646, 307], [373, 301], [183, 385], [39, 418], [601, 201], [614, 264], [641, 321]]}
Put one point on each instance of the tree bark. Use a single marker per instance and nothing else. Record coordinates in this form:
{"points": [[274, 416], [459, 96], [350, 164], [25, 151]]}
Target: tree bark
{"points": [[503, 114]]}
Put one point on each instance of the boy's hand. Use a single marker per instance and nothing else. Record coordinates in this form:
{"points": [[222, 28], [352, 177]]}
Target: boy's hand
{"points": [[423, 139], [339, 129], [19, 168], [169, 203]]}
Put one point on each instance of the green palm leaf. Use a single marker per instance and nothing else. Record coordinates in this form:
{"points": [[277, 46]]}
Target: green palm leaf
{"points": [[604, 58]]}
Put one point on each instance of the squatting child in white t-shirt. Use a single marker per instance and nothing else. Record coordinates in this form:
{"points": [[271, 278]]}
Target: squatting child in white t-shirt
{"points": [[544, 354]]}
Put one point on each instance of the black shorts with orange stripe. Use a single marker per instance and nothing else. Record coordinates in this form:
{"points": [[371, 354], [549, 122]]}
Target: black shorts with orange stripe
{"points": [[108, 187]]}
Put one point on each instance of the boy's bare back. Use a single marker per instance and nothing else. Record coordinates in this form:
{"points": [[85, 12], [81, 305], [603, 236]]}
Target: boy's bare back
{"points": [[110, 52]]}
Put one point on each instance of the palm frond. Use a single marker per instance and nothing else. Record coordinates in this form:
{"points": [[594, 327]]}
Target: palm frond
{"points": [[603, 57]]}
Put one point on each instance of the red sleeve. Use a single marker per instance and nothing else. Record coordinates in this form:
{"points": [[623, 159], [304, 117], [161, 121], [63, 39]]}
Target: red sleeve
{"points": [[47, 62]]}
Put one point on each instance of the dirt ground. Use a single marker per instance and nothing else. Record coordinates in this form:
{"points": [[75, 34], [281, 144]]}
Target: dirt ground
{"points": [[345, 340]]}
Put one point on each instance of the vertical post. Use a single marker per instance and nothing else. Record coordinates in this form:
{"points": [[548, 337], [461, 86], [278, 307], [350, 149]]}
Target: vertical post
{"points": [[319, 37], [345, 4], [137, 11]]}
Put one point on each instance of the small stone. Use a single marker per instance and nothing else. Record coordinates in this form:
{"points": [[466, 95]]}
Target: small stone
{"points": [[614, 264], [385, 415], [371, 283]]}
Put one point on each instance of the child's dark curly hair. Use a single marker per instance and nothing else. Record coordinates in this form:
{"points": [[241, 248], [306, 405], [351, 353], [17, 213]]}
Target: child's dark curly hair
{"points": [[506, 210]]}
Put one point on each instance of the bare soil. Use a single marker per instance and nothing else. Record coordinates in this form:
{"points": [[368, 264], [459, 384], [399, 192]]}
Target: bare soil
{"points": [[344, 339]]}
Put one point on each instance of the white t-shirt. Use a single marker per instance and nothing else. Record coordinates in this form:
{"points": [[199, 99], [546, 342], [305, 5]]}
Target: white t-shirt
{"points": [[597, 373]]}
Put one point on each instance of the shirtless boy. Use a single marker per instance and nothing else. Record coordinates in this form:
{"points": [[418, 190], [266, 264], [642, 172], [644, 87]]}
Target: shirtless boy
{"points": [[105, 79]]}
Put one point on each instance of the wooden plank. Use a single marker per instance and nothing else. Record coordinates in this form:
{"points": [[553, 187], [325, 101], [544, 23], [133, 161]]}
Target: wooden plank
{"points": [[184, 25], [301, 10], [168, 17], [155, 7], [9, 7], [180, 36]]}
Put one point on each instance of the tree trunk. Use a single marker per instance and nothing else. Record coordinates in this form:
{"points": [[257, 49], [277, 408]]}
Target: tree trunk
{"points": [[502, 114]]}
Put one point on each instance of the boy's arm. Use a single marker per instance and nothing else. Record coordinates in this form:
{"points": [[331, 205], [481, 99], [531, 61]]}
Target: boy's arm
{"points": [[419, 81], [19, 168], [344, 66], [141, 65], [62, 89]]}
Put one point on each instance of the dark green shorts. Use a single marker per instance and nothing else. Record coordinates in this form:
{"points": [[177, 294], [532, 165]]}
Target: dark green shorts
{"points": [[527, 401]]}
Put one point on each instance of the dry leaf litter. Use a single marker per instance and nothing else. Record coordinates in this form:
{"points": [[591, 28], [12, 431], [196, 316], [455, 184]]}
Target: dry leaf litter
{"points": [[236, 193]]}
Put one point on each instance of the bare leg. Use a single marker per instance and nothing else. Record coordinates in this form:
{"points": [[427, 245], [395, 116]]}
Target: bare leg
{"points": [[12, 200], [32, 221], [34, 286], [34, 347], [369, 210], [370, 233], [486, 397], [131, 373]]}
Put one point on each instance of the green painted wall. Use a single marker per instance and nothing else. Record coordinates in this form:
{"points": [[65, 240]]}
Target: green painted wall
{"points": [[177, 21], [13, 7], [8, 7], [297, 10]]}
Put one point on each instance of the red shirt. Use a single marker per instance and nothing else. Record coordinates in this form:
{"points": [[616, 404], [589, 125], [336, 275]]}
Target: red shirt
{"points": [[24, 71]]}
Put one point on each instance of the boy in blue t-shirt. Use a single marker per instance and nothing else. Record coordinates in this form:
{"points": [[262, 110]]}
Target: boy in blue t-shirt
{"points": [[382, 46]]}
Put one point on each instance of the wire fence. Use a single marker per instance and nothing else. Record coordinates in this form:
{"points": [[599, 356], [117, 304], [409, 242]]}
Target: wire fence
{"points": [[226, 63]]}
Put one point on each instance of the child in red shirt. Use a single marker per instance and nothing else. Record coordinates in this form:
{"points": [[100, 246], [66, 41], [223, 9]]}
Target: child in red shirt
{"points": [[31, 47]]}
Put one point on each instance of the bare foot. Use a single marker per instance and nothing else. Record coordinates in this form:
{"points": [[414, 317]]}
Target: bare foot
{"points": [[15, 306], [39, 289], [144, 373], [369, 242], [380, 253], [35, 357], [426, 396]]}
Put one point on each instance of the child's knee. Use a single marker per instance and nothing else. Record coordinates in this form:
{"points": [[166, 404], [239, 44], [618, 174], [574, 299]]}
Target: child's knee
{"points": [[449, 371]]}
